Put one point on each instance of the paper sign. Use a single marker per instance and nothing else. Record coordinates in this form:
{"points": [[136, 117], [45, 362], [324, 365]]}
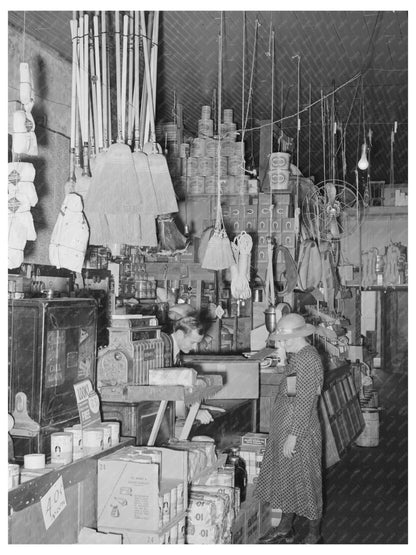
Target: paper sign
{"points": [[88, 404], [53, 502]]}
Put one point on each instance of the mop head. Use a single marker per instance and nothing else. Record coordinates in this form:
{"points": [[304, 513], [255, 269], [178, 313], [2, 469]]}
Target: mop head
{"points": [[170, 238], [218, 255]]}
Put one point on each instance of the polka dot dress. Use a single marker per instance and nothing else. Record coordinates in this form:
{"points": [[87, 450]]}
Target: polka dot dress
{"points": [[295, 485]]}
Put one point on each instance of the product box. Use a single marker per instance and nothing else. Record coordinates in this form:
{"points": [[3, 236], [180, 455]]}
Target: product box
{"points": [[172, 534], [254, 438], [131, 492], [253, 521], [238, 529]]}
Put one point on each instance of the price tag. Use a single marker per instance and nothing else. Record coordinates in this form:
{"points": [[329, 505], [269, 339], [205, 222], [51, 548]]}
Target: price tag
{"points": [[53, 502]]}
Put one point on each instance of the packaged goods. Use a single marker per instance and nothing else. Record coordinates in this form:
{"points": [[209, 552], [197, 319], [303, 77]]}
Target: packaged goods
{"points": [[61, 447], [254, 438], [133, 496], [77, 445]]}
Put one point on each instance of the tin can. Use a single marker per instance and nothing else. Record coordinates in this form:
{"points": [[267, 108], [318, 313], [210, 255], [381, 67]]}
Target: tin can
{"points": [[166, 508], [205, 166], [191, 166], [181, 531], [115, 431], [14, 473], [205, 128], [179, 498], [196, 185], [184, 150], [279, 160], [93, 440], [211, 147], [77, 450], [61, 448], [34, 461], [236, 165], [228, 115], [206, 112], [174, 535], [198, 147], [106, 435]]}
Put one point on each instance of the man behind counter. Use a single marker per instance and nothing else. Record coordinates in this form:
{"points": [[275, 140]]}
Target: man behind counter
{"points": [[187, 333]]}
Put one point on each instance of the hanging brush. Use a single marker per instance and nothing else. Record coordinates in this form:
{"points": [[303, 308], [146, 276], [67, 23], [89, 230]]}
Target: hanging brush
{"points": [[219, 255]]}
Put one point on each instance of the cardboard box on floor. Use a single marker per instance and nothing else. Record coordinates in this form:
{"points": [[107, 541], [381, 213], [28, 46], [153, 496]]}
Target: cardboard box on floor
{"points": [[253, 520], [129, 490]]}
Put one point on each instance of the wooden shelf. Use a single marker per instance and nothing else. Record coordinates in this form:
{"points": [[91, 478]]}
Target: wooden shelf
{"points": [[374, 211]]}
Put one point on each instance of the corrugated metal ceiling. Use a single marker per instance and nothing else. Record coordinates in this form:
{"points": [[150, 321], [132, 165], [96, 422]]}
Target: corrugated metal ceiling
{"points": [[333, 47]]}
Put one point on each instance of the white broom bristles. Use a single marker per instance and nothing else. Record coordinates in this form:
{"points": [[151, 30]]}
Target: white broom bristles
{"points": [[218, 255]]}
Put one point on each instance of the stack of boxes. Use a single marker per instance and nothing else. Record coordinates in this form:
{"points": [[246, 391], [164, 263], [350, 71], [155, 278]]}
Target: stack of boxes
{"points": [[282, 227], [199, 167], [279, 171], [142, 494], [253, 446]]}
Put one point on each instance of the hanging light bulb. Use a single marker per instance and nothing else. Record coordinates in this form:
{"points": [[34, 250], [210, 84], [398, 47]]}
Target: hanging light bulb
{"points": [[363, 162]]}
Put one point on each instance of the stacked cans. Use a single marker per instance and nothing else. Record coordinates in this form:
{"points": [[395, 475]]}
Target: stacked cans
{"points": [[279, 170], [208, 160]]}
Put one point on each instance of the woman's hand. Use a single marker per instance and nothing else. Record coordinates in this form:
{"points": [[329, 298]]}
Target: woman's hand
{"points": [[289, 446]]}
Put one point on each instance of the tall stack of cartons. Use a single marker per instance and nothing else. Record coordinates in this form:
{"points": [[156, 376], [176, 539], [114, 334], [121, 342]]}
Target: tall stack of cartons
{"points": [[205, 158], [143, 494]]}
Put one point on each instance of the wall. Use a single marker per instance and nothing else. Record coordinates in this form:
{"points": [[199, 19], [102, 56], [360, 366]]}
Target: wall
{"points": [[52, 84], [377, 230]]}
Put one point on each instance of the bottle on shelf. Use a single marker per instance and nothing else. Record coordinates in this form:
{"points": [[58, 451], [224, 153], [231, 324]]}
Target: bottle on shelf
{"points": [[240, 472]]}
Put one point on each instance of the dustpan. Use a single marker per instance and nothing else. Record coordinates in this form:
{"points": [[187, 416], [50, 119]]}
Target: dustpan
{"points": [[162, 181]]}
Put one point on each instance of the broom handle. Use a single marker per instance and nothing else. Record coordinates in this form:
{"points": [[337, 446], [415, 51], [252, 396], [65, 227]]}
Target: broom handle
{"points": [[80, 76], [104, 79], [154, 58], [94, 97], [73, 25], [118, 78], [124, 76], [130, 77], [78, 118], [136, 81], [149, 86], [98, 84], [85, 152], [109, 114], [144, 111]]}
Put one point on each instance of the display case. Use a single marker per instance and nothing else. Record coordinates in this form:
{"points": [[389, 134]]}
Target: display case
{"points": [[52, 345]]}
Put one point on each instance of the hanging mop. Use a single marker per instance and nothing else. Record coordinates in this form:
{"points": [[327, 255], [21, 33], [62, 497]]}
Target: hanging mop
{"points": [[218, 255]]}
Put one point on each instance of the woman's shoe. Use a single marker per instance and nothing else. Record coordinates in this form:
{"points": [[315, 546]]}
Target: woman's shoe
{"points": [[276, 536], [312, 539]]}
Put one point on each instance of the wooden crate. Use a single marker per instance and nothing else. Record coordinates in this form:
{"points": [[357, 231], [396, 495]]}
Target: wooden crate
{"points": [[26, 523]]}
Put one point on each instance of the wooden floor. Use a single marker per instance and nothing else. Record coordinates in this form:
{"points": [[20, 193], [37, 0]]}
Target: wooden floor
{"points": [[365, 494]]}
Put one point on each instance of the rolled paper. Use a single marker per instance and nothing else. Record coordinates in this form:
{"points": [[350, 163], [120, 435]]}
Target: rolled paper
{"points": [[19, 121], [21, 143]]}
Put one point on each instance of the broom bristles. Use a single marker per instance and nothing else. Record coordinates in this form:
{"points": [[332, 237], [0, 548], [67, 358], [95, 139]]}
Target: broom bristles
{"points": [[165, 193], [145, 182], [218, 255], [114, 186]]}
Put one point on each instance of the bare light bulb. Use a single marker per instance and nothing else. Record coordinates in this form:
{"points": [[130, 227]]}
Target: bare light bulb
{"points": [[363, 162]]}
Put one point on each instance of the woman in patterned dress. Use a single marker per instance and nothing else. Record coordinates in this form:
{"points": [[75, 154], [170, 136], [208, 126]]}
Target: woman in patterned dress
{"points": [[290, 474]]}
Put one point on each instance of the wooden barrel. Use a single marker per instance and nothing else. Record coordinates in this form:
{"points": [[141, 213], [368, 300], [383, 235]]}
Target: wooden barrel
{"points": [[370, 435]]}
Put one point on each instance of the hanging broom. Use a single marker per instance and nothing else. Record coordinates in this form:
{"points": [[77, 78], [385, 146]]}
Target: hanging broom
{"points": [[114, 190], [70, 184], [148, 209], [159, 170], [219, 255]]}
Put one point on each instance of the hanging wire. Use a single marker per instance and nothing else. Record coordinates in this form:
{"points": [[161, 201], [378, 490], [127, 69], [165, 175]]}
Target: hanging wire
{"points": [[250, 92], [243, 81], [323, 134]]}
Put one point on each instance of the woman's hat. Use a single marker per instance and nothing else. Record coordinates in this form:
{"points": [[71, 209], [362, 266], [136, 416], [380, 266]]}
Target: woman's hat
{"points": [[292, 325]]}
